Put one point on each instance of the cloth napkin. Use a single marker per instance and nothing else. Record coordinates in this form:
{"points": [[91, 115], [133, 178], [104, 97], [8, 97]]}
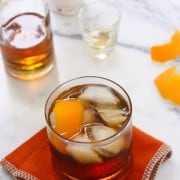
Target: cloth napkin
{"points": [[32, 159]]}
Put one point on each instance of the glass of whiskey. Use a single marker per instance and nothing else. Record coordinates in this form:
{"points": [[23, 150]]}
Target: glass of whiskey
{"points": [[89, 127], [99, 22], [26, 38]]}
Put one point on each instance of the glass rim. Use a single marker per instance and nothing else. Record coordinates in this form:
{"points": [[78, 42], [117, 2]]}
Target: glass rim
{"points": [[98, 142], [104, 2]]}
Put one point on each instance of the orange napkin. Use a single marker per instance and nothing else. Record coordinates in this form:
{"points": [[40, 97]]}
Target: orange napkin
{"points": [[32, 160]]}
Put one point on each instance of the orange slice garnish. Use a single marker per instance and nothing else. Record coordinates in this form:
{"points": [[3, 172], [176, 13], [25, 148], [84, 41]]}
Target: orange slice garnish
{"points": [[163, 53], [68, 117], [168, 51], [168, 84]]}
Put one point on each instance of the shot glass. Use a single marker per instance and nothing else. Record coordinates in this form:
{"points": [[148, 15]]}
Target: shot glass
{"points": [[66, 7], [89, 127], [26, 38], [99, 22]]}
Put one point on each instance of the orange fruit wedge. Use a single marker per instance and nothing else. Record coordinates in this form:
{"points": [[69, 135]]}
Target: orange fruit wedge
{"points": [[68, 116], [168, 51], [68, 119], [168, 84], [163, 53]]}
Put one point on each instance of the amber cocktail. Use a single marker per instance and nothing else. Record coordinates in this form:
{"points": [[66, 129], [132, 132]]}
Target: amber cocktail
{"points": [[89, 128]]}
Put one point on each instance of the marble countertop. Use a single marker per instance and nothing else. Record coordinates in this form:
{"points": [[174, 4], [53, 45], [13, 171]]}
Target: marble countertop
{"points": [[144, 23]]}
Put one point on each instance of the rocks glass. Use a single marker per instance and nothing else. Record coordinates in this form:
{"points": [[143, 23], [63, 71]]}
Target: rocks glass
{"points": [[99, 22], [89, 128]]}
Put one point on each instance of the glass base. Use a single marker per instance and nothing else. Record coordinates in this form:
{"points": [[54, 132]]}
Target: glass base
{"points": [[115, 176], [30, 74], [66, 8], [100, 54], [120, 175]]}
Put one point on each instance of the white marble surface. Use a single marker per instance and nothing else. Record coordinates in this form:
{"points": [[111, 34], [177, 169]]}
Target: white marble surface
{"points": [[143, 24]]}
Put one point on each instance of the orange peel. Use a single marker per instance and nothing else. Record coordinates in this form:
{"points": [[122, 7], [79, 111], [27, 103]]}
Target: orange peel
{"points": [[168, 84], [168, 51], [68, 117], [163, 53]]}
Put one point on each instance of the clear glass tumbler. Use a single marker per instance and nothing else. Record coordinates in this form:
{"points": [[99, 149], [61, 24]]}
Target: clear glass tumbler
{"points": [[26, 38], [99, 22], [89, 128]]}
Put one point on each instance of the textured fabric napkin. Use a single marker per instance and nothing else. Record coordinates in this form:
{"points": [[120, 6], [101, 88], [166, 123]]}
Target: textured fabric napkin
{"points": [[32, 160]]}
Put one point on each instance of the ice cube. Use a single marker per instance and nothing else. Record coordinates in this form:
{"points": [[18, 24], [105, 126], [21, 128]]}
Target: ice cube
{"points": [[113, 148], [89, 116], [113, 117], [83, 153], [99, 132], [99, 96], [102, 132]]}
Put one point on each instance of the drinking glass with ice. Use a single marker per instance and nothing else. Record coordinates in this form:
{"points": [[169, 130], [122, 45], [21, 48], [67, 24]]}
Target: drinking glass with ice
{"points": [[89, 128]]}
